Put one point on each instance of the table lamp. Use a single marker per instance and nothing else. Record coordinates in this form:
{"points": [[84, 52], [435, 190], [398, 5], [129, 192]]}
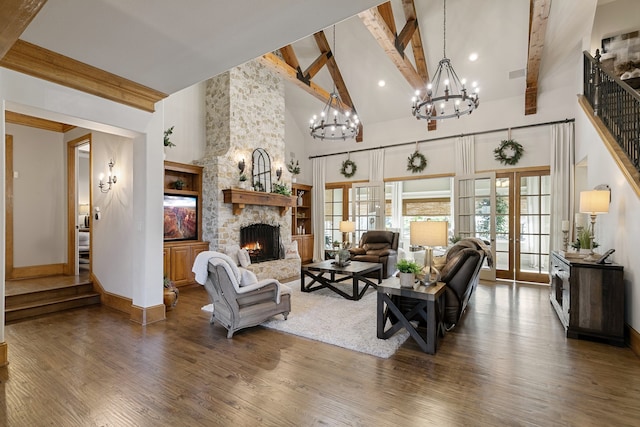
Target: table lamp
{"points": [[346, 228], [428, 234], [594, 202]]}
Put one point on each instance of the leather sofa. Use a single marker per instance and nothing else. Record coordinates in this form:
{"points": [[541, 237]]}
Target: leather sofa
{"points": [[378, 246], [461, 273]]}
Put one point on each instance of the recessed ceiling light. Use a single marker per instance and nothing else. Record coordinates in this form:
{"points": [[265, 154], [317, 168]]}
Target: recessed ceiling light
{"points": [[381, 83], [473, 57]]}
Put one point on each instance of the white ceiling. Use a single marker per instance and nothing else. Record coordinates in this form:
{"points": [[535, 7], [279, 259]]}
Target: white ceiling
{"points": [[168, 46]]}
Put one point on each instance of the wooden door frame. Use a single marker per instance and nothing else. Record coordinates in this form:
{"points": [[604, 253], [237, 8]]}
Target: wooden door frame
{"points": [[8, 207], [72, 211]]}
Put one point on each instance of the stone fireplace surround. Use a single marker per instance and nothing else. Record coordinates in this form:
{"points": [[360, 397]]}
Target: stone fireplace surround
{"points": [[244, 111]]}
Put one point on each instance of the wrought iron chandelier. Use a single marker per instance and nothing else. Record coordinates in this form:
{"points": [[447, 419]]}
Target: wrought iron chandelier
{"points": [[446, 95], [334, 122]]}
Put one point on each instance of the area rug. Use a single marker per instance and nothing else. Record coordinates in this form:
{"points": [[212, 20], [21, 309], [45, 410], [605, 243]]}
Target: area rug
{"points": [[327, 317]]}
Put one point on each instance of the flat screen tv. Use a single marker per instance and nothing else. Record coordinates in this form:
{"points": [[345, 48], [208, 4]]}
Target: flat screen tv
{"points": [[180, 217]]}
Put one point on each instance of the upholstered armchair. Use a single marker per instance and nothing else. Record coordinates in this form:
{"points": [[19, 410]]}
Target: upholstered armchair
{"points": [[239, 300], [378, 246]]}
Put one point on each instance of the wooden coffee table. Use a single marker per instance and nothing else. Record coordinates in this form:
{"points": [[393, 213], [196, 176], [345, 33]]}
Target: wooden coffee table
{"points": [[354, 271]]}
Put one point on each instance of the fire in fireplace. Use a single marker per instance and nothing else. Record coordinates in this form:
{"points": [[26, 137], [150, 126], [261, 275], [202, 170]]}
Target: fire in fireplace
{"points": [[262, 241]]}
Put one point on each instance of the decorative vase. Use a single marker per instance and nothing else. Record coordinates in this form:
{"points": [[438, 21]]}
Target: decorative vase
{"points": [[170, 297], [407, 280], [293, 179]]}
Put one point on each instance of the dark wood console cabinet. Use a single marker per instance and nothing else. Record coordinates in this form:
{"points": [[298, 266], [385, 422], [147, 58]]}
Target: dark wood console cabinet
{"points": [[588, 298]]}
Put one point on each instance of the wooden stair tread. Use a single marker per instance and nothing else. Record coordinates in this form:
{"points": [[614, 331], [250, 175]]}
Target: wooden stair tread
{"points": [[51, 301]]}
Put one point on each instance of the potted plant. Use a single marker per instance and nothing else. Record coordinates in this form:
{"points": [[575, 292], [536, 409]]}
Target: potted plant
{"points": [[179, 184], [170, 294], [583, 241], [167, 138], [281, 189], [408, 270], [243, 181], [294, 168]]}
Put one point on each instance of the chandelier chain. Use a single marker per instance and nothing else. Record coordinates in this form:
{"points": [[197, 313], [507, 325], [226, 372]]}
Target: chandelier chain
{"points": [[444, 29]]}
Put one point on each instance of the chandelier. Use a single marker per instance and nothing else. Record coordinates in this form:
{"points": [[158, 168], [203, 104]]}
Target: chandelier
{"points": [[446, 96], [334, 122]]}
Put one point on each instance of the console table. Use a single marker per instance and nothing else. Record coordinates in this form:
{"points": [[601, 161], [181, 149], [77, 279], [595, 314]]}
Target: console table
{"points": [[588, 298]]}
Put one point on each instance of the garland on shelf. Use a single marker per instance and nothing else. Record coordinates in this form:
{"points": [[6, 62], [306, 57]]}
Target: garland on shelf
{"points": [[348, 168], [421, 162], [509, 152]]}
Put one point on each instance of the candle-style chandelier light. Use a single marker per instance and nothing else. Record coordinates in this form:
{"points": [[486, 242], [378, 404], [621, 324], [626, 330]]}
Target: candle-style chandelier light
{"points": [[446, 95]]}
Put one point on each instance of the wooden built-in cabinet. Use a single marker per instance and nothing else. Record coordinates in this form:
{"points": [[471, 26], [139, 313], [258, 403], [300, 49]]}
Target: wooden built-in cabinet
{"points": [[301, 224], [588, 298], [179, 255]]}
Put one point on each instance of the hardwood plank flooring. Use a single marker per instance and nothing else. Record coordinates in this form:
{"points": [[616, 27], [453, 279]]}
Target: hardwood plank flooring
{"points": [[507, 363]]}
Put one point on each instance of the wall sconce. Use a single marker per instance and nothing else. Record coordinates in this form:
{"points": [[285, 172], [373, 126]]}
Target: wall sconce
{"points": [[241, 166], [279, 173], [112, 178]]}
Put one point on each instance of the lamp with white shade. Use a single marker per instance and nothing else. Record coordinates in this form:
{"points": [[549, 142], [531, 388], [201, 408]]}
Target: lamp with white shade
{"points": [[428, 234], [346, 228], [594, 202]]}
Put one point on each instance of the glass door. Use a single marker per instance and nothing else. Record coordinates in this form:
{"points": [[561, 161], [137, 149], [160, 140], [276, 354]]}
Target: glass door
{"points": [[475, 199], [368, 207]]}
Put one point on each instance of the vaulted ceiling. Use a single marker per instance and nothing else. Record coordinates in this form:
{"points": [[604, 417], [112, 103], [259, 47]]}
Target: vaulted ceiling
{"points": [[157, 47]]}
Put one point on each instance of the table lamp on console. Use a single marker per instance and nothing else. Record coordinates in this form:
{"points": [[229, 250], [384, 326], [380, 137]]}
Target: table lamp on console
{"points": [[429, 234], [594, 202]]}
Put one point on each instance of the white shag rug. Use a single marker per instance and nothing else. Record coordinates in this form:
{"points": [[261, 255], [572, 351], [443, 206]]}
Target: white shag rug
{"points": [[327, 317]]}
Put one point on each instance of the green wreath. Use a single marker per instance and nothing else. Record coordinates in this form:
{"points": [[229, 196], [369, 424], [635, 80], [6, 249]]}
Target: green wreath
{"points": [[348, 169], [509, 152], [412, 166]]}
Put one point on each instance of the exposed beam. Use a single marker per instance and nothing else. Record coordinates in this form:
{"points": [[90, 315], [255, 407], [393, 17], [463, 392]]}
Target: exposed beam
{"points": [[386, 11], [416, 40], [38, 62], [278, 65], [15, 17], [386, 39], [36, 122], [538, 17], [317, 65]]}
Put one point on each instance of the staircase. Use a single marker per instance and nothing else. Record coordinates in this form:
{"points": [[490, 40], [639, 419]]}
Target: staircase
{"points": [[34, 297]]}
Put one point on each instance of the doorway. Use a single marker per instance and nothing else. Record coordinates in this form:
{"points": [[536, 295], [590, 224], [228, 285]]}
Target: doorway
{"points": [[79, 205], [522, 221]]}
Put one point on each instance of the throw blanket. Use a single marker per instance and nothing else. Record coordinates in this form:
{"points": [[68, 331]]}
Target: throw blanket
{"points": [[480, 244], [201, 270]]}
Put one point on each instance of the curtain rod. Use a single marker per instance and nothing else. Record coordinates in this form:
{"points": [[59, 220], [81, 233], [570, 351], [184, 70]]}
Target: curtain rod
{"points": [[445, 137]]}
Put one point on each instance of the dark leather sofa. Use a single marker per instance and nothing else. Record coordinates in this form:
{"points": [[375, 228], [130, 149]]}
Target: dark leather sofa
{"points": [[461, 273], [378, 246]]}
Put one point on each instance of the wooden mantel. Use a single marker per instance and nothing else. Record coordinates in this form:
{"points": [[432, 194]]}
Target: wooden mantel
{"points": [[240, 198]]}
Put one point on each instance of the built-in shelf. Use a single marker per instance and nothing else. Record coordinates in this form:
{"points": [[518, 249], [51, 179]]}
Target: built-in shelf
{"points": [[240, 198]]}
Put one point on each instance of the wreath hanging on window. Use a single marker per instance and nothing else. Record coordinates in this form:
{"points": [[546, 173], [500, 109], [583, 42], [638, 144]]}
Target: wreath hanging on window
{"points": [[348, 168], [509, 152], [416, 162]]}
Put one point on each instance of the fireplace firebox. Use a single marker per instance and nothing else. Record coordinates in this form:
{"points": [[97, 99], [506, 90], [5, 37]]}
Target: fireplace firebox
{"points": [[262, 241]]}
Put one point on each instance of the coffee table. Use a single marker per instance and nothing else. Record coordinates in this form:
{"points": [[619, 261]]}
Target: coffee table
{"points": [[354, 271], [429, 308]]}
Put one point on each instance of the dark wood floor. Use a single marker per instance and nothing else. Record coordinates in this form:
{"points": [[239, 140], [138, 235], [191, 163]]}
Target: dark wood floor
{"points": [[508, 363]]}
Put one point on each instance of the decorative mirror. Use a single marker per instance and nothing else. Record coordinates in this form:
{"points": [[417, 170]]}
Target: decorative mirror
{"points": [[261, 170]]}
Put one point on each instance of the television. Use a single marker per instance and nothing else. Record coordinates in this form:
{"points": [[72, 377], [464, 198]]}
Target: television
{"points": [[180, 217]]}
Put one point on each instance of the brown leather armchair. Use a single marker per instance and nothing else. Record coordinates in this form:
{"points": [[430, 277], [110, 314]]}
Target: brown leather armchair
{"points": [[378, 246]]}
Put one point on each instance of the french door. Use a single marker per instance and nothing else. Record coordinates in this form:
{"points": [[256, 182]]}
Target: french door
{"points": [[523, 208], [475, 207], [368, 207]]}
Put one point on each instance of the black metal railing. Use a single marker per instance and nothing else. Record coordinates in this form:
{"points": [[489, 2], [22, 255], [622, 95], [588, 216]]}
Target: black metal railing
{"points": [[617, 105]]}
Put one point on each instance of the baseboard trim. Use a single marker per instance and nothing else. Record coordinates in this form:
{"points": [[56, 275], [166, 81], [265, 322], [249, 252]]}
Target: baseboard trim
{"points": [[4, 359], [36, 271], [634, 340], [147, 315]]}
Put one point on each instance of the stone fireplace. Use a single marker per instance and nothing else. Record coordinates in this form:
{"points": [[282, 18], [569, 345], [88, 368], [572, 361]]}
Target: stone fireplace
{"points": [[244, 111]]}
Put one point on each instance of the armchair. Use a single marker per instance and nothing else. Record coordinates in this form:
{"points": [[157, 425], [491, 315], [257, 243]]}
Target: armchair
{"points": [[236, 306], [378, 246]]}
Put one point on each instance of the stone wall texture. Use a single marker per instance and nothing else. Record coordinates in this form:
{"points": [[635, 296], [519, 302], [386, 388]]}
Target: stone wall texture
{"points": [[244, 111]]}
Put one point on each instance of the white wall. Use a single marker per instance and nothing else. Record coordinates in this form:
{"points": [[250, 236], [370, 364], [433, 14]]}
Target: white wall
{"points": [[618, 229], [185, 111], [39, 196]]}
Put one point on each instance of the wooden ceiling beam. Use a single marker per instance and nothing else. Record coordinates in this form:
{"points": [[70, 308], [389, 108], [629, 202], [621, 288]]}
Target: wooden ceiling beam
{"points": [[386, 39], [387, 14], [538, 17], [15, 17], [36, 122], [416, 40], [289, 56], [39, 62], [317, 65], [332, 66], [406, 34], [278, 65]]}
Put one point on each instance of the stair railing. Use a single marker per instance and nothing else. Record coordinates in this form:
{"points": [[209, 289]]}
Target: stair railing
{"points": [[616, 104]]}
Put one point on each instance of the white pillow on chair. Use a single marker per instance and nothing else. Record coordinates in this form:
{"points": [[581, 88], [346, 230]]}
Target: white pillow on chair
{"points": [[243, 258]]}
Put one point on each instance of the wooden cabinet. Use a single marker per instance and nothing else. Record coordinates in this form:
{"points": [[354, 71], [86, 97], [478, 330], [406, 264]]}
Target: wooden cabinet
{"points": [[179, 258], [588, 298], [179, 255], [301, 225]]}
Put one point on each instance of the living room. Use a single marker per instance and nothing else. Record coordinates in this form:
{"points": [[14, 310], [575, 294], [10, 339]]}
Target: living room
{"points": [[132, 216]]}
